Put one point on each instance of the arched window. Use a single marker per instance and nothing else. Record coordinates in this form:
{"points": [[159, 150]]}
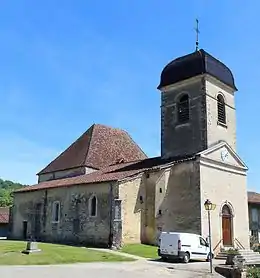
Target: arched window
{"points": [[226, 211], [93, 206], [221, 109], [183, 109]]}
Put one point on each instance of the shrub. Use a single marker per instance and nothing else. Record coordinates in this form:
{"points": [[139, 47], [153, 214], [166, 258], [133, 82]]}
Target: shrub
{"points": [[253, 241], [253, 272], [256, 248], [232, 251]]}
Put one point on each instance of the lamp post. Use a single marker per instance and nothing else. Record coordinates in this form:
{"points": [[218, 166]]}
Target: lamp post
{"points": [[209, 207]]}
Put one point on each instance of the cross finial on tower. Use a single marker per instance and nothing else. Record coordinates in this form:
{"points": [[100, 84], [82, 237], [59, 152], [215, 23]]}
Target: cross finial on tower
{"points": [[197, 34]]}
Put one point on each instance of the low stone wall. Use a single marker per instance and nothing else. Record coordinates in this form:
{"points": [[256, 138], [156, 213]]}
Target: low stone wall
{"points": [[230, 271]]}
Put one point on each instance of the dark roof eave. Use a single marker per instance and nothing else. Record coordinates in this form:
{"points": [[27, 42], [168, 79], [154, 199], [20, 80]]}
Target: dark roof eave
{"points": [[253, 202], [112, 179], [160, 86], [65, 169], [35, 188]]}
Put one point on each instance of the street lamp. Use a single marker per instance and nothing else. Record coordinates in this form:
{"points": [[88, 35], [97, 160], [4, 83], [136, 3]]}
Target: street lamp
{"points": [[208, 207]]}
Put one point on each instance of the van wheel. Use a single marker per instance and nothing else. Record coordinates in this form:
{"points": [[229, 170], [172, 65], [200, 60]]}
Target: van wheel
{"points": [[164, 259], [186, 258]]}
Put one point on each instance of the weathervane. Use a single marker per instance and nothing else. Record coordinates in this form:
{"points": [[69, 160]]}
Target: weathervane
{"points": [[197, 34]]}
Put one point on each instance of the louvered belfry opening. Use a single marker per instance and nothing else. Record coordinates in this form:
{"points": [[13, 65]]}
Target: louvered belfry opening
{"points": [[183, 109], [221, 110]]}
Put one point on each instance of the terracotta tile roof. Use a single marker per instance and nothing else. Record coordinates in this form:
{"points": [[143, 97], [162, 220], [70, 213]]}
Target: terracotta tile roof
{"points": [[99, 147], [253, 197], [111, 173], [4, 215]]}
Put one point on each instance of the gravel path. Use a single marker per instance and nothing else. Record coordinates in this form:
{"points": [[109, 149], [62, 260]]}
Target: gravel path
{"points": [[142, 267], [146, 269]]}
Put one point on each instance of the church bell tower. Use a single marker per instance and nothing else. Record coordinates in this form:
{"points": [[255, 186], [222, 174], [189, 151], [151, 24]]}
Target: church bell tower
{"points": [[197, 105]]}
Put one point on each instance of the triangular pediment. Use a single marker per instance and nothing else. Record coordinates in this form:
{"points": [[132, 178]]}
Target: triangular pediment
{"points": [[224, 154]]}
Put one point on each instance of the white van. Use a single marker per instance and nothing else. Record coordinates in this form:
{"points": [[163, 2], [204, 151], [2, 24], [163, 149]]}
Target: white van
{"points": [[183, 246]]}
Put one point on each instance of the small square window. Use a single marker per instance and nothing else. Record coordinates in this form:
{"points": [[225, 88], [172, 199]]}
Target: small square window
{"points": [[160, 190], [160, 212], [141, 199]]}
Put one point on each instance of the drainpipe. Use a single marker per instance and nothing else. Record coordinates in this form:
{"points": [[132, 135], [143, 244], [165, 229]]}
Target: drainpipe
{"points": [[45, 203], [111, 220]]}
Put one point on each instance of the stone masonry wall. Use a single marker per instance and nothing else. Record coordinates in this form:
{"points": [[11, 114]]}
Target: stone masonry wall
{"points": [[216, 132], [160, 195], [189, 138], [179, 201], [131, 207], [203, 130], [75, 225], [149, 228]]}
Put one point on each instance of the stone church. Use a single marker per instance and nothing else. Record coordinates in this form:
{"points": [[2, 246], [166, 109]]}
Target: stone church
{"points": [[104, 191]]}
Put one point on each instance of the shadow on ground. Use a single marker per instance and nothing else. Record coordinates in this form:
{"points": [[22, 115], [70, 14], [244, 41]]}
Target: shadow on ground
{"points": [[159, 260]]}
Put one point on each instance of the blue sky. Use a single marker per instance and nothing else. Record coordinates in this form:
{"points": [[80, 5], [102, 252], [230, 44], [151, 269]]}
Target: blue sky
{"points": [[68, 64]]}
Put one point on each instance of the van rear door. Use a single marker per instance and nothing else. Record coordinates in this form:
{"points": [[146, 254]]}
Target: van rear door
{"points": [[169, 244]]}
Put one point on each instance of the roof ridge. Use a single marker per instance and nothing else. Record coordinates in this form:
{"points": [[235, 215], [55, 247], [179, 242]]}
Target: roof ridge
{"points": [[127, 162], [135, 143], [70, 146], [89, 144], [110, 127], [97, 147]]}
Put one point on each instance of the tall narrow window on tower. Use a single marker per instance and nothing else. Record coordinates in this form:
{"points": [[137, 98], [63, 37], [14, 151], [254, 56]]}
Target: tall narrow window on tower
{"points": [[183, 109], [221, 110]]}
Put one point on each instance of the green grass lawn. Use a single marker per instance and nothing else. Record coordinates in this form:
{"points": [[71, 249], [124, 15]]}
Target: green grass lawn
{"points": [[141, 250], [10, 254]]}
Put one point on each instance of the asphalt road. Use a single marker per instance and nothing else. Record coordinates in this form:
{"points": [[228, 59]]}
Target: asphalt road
{"points": [[146, 269]]}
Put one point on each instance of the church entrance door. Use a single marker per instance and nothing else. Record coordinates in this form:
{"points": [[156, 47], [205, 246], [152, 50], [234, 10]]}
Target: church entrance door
{"points": [[227, 226]]}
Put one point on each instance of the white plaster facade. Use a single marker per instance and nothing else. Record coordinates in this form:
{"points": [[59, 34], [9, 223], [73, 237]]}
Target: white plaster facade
{"points": [[223, 180]]}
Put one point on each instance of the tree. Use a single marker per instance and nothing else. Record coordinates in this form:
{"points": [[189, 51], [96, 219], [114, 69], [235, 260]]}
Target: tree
{"points": [[6, 192]]}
